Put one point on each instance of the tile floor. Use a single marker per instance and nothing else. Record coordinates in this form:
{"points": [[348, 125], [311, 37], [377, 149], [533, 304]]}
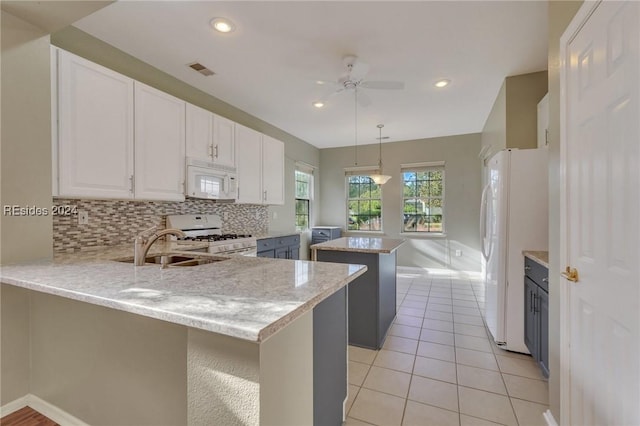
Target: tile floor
{"points": [[438, 366]]}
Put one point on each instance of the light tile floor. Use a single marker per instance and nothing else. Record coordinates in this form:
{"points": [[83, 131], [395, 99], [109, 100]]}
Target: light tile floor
{"points": [[438, 365]]}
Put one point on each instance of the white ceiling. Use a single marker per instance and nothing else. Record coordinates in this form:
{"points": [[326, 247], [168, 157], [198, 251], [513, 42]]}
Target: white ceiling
{"points": [[269, 65]]}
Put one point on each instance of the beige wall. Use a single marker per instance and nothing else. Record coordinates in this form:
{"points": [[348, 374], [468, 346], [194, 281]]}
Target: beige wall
{"points": [[107, 367], [512, 122], [26, 140], [281, 218], [523, 94], [494, 133], [14, 343], [462, 196], [560, 14]]}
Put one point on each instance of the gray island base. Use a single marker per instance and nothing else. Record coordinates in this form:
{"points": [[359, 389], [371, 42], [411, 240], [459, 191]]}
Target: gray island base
{"points": [[239, 342], [371, 296]]}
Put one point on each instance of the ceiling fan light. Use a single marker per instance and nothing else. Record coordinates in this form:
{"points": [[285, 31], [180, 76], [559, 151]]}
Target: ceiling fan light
{"points": [[442, 83], [222, 25], [380, 179], [318, 104]]}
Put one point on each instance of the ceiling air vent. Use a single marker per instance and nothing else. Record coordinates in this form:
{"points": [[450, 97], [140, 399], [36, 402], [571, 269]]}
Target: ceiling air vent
{"points": [[201, 69]]}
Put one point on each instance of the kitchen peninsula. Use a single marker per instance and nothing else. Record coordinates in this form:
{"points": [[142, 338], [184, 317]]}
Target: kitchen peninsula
{"points": [[238, 341], [372, 296]]}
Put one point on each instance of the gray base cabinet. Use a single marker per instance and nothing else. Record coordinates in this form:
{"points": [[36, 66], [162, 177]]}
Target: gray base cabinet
{"points": [[330, 359], [536, 308], [286, 247], [372, 296]]}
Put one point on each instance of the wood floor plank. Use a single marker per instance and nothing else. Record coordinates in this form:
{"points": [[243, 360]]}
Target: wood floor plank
{"points": [[26, 416]]}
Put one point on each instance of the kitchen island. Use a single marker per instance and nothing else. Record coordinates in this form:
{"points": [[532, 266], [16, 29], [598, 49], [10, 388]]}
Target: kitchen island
{"points": [[372, 296], [238, 341]]}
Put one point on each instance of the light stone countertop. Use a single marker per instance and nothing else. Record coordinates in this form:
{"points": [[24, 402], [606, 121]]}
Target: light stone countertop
{"points": [[542, 257], [242, 297], [360, 244]]}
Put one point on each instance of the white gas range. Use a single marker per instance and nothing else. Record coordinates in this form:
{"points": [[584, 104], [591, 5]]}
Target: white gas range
{"points": [[208, 227]]}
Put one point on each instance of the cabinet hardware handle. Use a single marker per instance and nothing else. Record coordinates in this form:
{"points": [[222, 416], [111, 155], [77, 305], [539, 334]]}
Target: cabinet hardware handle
{"points": [[531, 301], [216, 151], [545, 280], [264, 196], [131, 183], [535, 303], [571, 274], [527, 268]]}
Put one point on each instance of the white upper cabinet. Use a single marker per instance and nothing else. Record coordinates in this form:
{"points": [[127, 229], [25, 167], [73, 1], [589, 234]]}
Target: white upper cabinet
{"points": [[210, 137], [260, 167], [95, 130], [224, 147], [272, 170], [543, 122], [199, 136], [160, 145], [249, 155]]}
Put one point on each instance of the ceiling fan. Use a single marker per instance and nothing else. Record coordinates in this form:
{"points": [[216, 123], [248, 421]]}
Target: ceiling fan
{"points": [[354, 80]]}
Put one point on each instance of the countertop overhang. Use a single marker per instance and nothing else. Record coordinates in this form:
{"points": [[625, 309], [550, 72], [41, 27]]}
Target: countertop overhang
{"points": [[242, 297], [361, 245]]}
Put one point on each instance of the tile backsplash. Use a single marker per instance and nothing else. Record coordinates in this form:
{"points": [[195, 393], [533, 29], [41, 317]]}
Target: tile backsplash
{"points": [[114, 222]]}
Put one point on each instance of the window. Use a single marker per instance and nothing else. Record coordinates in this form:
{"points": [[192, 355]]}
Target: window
{"points": [[423, 198], [304, 191], [364, 203]]}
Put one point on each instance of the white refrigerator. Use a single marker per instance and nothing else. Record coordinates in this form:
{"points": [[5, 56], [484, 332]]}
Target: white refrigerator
{"points": [[513, 217]]}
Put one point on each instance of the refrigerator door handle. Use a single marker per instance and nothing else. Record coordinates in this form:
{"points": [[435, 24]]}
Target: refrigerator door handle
{"points": [[483, 222]]}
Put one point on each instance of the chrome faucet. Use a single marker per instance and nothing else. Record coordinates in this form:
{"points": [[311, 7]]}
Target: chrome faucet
{"points": [[143, 243]]}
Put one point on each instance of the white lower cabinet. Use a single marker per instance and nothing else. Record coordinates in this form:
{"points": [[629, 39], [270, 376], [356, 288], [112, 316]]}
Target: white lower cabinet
{"points": [[160, 145], [260, 160], [95, 130]]}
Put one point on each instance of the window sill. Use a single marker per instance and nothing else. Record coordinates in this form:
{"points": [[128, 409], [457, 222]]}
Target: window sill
{"points": [[424, 235], [358, 233]]}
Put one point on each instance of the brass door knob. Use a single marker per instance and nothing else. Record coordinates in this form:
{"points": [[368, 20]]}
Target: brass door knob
{"points": [[571, 274]]}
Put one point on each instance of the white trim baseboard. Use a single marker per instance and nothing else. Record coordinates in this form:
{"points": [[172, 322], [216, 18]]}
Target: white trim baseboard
{"points": [[13, 406], [548, 417], [56, 414]]}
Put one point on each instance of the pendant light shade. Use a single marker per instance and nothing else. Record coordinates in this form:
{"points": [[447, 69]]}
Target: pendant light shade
{"points": [[380, 178]]}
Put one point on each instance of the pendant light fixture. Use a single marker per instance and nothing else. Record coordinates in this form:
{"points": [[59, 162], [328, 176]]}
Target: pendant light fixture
{"points": [[380, 178]]}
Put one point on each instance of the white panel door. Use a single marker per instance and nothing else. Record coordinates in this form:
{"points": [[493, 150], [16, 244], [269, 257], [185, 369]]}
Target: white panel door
{"points": [[272, 170], [160, 145], [249, 160], [199, 136], [95, 145], [601, 211], [224, 147]]}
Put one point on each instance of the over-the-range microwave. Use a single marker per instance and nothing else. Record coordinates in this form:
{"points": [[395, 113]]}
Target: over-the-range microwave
{"points": [[211, 181]]}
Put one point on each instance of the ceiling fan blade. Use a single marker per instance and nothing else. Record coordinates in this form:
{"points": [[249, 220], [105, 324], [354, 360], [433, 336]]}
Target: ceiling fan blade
{"points": [[383, 85], [358, 70], [363, 99]]}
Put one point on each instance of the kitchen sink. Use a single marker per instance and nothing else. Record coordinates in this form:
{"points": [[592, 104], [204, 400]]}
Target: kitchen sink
{"points": [[170, 260]]}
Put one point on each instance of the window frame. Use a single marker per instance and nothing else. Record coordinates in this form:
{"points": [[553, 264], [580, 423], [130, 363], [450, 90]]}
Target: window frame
{"points": [[308, 170], [416, 168], [364, 172]]}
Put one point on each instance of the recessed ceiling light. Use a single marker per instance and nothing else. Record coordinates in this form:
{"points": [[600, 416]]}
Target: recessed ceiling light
{"points": [[318, 104], [442, 83], [222, 25]]}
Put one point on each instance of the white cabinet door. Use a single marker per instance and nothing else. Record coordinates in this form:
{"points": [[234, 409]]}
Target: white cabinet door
{"points": [[224, 151], [272, 170], [249, 155], [543, 122], [160, 145], [95, 139], [199, 132]]}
